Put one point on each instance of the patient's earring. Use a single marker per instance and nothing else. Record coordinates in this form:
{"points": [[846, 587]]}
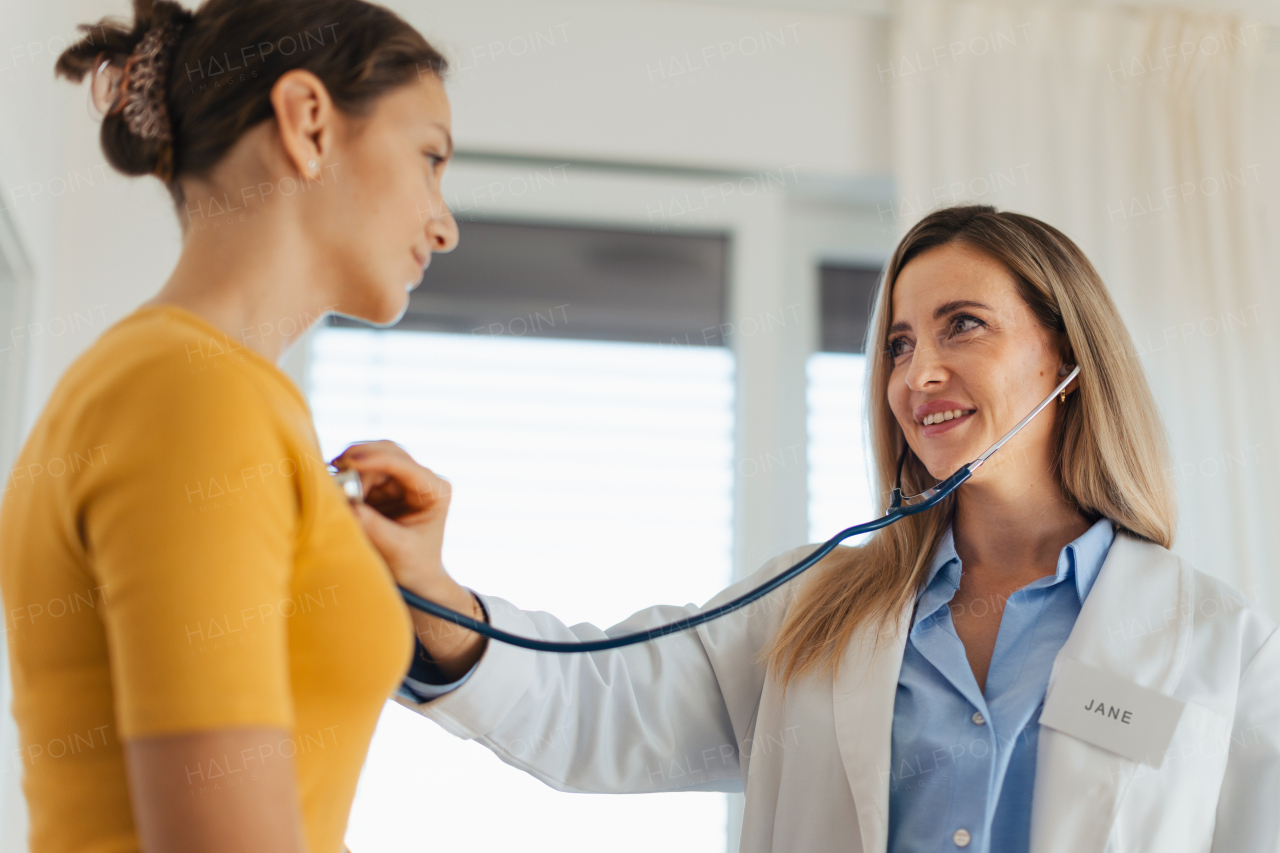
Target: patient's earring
{"points": [[312, 168], [1062, 398]]}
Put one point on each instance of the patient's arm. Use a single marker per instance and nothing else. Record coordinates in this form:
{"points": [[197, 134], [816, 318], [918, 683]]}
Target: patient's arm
{"points": [[178, 808]]}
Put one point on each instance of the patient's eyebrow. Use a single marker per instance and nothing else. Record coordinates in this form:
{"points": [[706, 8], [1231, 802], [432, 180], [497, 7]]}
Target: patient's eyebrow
{"points": [[940, 312]]}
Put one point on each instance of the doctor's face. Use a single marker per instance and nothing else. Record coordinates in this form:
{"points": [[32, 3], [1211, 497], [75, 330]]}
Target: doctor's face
{"points": [[969, 360]]}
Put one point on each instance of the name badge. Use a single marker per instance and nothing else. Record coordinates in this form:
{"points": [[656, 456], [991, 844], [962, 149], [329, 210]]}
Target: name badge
{"points": [[1103, 709]]}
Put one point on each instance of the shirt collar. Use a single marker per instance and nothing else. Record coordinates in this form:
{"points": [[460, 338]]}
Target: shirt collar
{"points": [[1089, 552], [1082, 558]]}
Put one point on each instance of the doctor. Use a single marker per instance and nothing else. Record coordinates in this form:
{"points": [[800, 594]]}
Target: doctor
{"points": [[1025, 667]]}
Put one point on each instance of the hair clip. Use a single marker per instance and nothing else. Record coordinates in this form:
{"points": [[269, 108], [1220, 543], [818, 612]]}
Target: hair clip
{"points": [[104, 88], [145, 74]]}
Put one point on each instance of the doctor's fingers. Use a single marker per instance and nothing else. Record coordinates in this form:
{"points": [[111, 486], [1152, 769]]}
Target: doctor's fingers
{"points": [[380, 449], [393, 480], [411, 551]]}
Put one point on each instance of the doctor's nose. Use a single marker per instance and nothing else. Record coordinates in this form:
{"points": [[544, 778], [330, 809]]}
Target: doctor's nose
{"points": [[926, 369]]}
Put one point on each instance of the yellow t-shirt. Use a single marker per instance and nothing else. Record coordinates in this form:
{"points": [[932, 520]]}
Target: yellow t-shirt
{"points": [[175, 558]]}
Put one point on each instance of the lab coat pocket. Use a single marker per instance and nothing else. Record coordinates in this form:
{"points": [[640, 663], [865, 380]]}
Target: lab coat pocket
{"points": [[1172, 807], [1089, 799]]}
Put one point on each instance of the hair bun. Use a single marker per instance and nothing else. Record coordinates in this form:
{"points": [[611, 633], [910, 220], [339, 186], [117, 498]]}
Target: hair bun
{"points": [[177, 89], [130, 72]]}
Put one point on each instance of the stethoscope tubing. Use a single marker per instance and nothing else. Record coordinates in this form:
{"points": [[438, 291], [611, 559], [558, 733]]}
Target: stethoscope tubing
{"points": [[898, 510], [943, 489]]}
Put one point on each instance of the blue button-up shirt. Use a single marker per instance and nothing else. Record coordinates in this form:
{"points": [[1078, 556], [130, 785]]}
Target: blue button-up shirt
{"points": [[962, 759]]}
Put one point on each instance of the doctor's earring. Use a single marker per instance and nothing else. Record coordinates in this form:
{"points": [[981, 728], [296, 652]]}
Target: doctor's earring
{"points": [[313, 168]]}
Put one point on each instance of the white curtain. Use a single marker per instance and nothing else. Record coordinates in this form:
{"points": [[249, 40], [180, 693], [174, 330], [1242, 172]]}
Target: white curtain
{"points": [[1133, 132]]}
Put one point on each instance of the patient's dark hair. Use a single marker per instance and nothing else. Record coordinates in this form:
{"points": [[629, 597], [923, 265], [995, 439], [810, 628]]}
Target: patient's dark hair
{"points": [[227, 57]]}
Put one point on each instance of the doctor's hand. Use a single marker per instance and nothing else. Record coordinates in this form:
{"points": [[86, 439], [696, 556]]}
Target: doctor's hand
{"points": [[403, 514], [404, 511]]}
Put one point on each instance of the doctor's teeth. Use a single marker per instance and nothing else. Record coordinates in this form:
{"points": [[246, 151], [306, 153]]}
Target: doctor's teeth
{"points": [[939, 417]]}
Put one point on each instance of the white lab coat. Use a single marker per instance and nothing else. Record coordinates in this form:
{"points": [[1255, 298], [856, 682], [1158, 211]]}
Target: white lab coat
{"points": [[697, 711]]}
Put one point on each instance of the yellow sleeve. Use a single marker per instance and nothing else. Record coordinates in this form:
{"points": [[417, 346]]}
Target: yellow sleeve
{"points": [[191, 526]]}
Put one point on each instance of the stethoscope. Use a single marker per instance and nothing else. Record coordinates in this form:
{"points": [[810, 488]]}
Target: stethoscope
{"points": [[899, 508]]}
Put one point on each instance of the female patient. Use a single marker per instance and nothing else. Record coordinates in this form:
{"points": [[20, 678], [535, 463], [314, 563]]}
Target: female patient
{"points": [[200, 635]]}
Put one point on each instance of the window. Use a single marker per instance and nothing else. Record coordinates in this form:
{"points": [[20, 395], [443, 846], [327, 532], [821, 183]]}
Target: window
{"points": [[592, 478], [839, 481]]}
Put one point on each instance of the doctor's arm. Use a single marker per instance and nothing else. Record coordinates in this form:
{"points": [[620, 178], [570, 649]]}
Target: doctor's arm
{"points": [[1248, 820], [673, 714]]}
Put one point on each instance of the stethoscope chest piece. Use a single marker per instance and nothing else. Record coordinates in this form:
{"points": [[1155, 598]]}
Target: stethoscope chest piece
{"points": [[349, 482]]}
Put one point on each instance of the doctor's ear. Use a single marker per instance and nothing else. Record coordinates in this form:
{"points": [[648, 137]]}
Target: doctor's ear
{"points": [[1067, 355]]}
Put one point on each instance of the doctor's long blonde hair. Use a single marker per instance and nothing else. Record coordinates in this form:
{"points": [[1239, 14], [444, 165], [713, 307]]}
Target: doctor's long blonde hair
{"points": [[1113, 452]]}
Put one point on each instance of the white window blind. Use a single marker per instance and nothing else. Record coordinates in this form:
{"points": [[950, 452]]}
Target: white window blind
{"points": [[839, 482], [590, 479]]}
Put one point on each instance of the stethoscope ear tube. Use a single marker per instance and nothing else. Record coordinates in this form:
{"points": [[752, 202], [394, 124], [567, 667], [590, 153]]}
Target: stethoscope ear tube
{"points": [[899, 508]]}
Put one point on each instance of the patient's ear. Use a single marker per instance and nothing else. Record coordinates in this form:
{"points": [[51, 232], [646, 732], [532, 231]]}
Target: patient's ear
{"points": [[305, 116]]}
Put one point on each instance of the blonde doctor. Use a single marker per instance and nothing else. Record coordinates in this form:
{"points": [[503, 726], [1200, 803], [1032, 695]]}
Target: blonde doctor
{"points": [[1024, 668]]}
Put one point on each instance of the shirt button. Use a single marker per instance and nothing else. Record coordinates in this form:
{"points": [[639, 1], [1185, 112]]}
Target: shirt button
{"points": [[961, 838], [978, 720]]}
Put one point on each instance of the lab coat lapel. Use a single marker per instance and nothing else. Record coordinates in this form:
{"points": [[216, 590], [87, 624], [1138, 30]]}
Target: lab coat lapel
{"points": [[864, 691], [1136, 623]]}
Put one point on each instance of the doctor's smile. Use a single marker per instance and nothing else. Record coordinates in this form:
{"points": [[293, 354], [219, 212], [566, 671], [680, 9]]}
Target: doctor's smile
{"points": [[944, 414], [892, 562]]}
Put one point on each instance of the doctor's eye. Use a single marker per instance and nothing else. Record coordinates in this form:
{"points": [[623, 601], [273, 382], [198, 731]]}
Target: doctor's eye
{"points": [[965, 323]]}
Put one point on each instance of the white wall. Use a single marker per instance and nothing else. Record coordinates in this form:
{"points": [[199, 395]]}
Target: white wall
{"points": [[664, 82]]}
